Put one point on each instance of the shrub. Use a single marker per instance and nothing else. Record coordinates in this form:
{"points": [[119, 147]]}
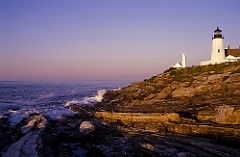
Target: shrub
{"points": [[179, 77], [169, 70], [236, 71]]}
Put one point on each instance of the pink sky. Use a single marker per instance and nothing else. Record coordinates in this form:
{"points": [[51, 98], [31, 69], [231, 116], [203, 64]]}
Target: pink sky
{"points": [[108, 40]]}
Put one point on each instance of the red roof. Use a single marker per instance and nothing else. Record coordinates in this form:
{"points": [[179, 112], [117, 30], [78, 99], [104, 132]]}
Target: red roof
{"points": [[233, 52]]}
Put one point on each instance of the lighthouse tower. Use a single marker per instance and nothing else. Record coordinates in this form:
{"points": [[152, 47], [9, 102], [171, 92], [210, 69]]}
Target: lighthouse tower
{"points": [[218, 51], [183, 61]]}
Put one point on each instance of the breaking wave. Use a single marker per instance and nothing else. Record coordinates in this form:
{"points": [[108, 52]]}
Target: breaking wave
{"points": [[89, 100], [20, 99], [94, 99]]}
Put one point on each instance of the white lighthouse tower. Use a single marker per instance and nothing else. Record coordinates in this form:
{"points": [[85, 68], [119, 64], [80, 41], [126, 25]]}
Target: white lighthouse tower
{"points": [[218, 51], [183, 61]]}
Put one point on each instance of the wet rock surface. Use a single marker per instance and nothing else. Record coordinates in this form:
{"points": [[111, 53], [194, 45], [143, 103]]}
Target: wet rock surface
{"points": [[61, 137]]}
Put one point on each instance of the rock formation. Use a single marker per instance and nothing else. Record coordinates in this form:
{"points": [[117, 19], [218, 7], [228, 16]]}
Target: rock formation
{"points": [[205, 100], [30, 139], [174, 89]]}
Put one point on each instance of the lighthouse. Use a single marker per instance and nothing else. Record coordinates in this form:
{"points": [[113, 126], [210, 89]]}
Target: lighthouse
{"points": [[218, 51], [219, 54]]}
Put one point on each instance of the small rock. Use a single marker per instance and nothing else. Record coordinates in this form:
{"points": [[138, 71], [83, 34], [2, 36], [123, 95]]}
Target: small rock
{"points": [[26, 129], [38, 121], [86, 127]]}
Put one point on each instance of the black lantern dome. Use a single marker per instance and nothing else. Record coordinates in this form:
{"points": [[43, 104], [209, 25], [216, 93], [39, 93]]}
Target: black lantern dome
{"points": [[218, 33]]}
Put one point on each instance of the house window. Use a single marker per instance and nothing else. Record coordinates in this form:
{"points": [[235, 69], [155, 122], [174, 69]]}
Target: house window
{"points": [[218, 50]]}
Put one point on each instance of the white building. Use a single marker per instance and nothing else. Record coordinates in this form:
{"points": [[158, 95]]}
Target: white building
{"points": [[219, 53], [179, 65]]}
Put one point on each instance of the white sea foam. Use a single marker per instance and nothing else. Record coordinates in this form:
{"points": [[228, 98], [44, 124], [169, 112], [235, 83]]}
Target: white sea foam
{"points": [[48, 98], [88, 100], [94, 99], [54, 111], [45, 96], [12, 111], [117, 89]]}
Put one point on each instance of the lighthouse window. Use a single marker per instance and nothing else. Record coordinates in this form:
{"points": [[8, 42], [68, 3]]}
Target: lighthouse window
{"points": [[218, 50]]}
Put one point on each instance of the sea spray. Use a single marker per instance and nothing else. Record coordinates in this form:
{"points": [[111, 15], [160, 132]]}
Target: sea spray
{"points": [[92, 100], [89, 100]]}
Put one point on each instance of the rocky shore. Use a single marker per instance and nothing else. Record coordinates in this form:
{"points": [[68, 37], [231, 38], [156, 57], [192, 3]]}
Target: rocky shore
{"points": [[78, 135], [190, 112]]}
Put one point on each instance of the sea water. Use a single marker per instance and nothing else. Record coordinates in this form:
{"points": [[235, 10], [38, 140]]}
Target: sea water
{"points": [[20, 98]]}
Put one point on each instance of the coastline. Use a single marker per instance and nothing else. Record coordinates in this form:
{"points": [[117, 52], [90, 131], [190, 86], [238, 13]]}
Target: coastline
{"points": [[129, 122]]}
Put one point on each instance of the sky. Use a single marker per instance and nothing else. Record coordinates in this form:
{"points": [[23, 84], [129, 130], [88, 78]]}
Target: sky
{"points": [[109, 39]]}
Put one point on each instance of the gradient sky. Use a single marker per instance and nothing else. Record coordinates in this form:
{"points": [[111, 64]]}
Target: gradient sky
{"points": [[109, 39]]}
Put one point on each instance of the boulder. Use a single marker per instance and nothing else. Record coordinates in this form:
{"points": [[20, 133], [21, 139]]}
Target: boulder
{"points": [[184, 92], [26, 146], [222, 115], [37, 121], [205, 116], [227, 115], [86, 127]]}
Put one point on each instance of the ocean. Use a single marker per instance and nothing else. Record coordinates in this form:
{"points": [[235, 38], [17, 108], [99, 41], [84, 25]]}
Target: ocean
{"points": [[20, 98]]}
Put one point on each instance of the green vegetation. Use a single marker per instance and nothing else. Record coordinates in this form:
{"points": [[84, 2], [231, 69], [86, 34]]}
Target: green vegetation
{"points": [[151, 79], [186, 73]]}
